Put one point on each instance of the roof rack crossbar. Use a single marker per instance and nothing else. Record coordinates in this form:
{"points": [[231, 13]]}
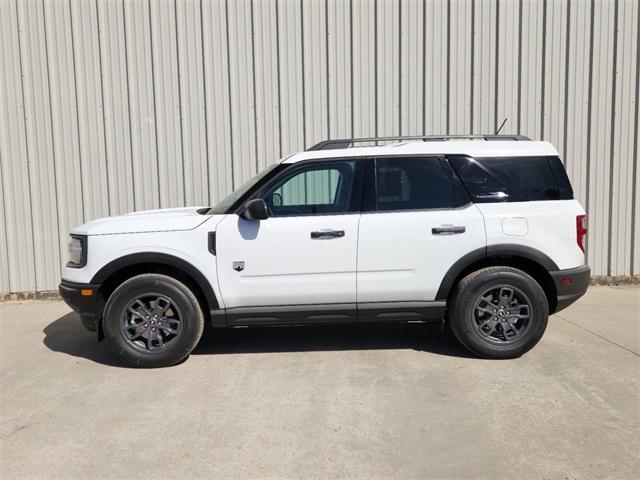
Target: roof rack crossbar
{"points": [[350, 142]]}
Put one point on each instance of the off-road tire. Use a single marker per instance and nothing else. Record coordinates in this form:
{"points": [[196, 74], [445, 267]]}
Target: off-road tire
{"points": [[140, 285], [462, 311]]}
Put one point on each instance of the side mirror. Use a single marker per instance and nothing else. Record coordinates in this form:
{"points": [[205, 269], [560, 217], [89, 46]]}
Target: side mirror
{"points": [[255, 209]]}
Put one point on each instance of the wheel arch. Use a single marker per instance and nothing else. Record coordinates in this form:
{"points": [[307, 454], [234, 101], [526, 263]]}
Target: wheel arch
{"points": [[114, 273], [531, 261]]}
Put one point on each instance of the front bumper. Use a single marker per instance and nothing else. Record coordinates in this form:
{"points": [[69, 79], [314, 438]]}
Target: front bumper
{"points": [[88, 306], [570, 285]]}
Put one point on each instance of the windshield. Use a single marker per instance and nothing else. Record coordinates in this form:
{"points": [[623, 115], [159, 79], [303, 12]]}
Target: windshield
{"points": [[223, 205]]}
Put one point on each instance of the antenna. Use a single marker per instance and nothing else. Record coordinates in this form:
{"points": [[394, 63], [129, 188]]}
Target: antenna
{"points": [[501, 125]]}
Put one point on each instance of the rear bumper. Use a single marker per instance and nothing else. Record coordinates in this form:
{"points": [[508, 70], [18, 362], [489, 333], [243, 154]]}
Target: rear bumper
{"points": [[86, 305], [570, 285]]}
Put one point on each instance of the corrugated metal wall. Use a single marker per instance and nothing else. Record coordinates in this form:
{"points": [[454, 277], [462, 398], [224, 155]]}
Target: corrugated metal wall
{"points": [[110, 106]]}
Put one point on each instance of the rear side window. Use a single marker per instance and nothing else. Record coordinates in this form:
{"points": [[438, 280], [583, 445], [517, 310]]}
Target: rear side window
{"points": [[513, 179], [416, 183]]}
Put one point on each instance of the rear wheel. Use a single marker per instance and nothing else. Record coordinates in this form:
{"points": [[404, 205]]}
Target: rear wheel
{"points": [[499, 312], [152, 320]]}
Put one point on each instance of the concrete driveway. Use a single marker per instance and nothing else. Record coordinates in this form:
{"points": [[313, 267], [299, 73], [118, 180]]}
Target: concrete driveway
{"points": [[325, 402]]}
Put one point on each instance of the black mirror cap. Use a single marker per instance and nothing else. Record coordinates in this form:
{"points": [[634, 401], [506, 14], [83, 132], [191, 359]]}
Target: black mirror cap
{"points": [[255, 209]]}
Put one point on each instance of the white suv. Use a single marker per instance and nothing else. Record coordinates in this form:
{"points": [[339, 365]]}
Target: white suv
{"points": [[481, 231]]}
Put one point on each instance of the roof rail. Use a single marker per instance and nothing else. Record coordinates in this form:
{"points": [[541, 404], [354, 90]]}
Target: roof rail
{"points": [[350, 142]]}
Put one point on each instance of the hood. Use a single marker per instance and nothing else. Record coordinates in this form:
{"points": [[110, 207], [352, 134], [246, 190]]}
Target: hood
{"points": [[164, 220]]}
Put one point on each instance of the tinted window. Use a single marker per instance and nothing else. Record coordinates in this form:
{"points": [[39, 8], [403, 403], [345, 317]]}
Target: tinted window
{"points": [[318, 188], [561, 178], [513, 179], [416, 184]]}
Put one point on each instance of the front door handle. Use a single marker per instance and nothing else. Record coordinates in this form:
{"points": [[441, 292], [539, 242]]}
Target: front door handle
{"points": [[448, 230], [320, 234]]}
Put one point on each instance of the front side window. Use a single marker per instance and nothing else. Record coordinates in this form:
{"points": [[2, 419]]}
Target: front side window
{"points": [[513, 179], [313, 189], [416, 183]]}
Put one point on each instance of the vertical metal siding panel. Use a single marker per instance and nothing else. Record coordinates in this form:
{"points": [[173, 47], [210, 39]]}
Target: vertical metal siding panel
{"points": [[630, 102], [364, 82], [340, 61], [636, 244], [388, 45], [635, 228], [411, 101], [167, 103], [192, 102], [508, 32], [66, 146], [89, 104], [555, 62], [461, 75], [484, 77], [435, 58], [14, 159], [600, 137], [4, 260], [141, 105], [242, 101], [315, 71], [266, 75], [621, 218], [218, 114], [115, 92], [42, 175], [636, 207], [531, 75], [291, 98], [623, 181], [577, 136]]}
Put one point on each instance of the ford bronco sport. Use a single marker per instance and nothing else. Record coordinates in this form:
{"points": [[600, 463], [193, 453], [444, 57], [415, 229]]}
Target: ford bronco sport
{"points": [[482, 231]]}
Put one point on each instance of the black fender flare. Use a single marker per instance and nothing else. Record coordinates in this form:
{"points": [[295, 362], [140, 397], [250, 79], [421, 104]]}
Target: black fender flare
{"points": [[506, 249], [159, 259]]}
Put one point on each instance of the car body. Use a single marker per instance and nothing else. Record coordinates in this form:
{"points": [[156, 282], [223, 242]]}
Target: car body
{"points": [[357, 234]]}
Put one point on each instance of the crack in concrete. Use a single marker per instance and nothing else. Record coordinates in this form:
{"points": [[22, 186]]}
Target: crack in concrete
{"points": [[598, 335]]}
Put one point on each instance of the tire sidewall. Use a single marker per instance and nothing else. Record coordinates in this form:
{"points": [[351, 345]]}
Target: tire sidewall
{"points": [[141, 285], [465, 318]]}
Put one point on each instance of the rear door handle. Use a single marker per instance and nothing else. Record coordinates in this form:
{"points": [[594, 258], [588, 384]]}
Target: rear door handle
{"points": [[320, 234], [448, 230]]}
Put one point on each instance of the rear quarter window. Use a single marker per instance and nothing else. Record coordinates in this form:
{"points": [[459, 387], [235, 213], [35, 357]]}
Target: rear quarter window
{"points": [[513, 179]]}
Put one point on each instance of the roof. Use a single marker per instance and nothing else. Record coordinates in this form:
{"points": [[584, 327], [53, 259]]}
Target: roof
{"points": [[475, 148]]}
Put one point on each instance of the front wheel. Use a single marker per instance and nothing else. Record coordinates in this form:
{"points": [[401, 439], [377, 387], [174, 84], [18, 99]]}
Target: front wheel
{"points": [[499, 312], [152, 320]]}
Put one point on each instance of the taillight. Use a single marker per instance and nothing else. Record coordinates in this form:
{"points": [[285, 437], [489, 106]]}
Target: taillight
{"points": [[581, 231]]}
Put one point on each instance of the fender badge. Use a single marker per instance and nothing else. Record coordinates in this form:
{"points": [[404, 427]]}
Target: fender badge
{"points": [[238, 266]]}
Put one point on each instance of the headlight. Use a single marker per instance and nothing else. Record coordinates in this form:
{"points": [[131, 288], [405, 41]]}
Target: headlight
{"points": [[77, 251]]}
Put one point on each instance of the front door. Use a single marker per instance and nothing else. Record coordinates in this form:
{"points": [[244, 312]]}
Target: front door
{"points": [[299, 265]]}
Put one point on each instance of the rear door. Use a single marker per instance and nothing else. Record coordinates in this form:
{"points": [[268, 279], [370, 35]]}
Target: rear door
{"points": [[417, 221]]}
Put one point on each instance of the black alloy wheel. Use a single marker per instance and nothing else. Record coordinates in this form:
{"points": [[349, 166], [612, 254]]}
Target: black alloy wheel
{"points": [[151, 322], [502, 314]]}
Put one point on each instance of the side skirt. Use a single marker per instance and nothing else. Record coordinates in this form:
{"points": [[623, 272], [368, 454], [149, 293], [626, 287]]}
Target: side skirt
{"points": [[329, 314], [401, 311]]}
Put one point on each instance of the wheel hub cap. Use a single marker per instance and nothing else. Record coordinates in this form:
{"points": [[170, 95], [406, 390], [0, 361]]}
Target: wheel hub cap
{"points": [[151, 322], [502, 314]]}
